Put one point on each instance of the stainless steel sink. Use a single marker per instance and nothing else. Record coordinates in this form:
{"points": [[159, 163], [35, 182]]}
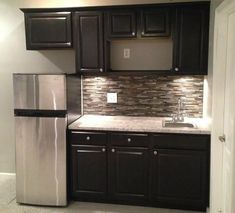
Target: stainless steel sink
{"points": [[177, 124]]}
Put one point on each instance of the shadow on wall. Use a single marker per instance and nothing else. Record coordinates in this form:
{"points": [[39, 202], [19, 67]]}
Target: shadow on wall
{"points": [[63, 59]]}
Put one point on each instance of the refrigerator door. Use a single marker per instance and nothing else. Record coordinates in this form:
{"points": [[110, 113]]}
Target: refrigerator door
{"points": [[41, 161], [39, 91]]}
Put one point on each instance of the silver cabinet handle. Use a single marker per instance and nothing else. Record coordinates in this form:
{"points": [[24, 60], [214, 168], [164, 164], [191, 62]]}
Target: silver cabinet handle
{"points": [[129, 139], [142, 33], [88, 138], [176, 69], [133, 33], [155, 152], [103, 149], [101, 69], [222, 138], [113, 150]]}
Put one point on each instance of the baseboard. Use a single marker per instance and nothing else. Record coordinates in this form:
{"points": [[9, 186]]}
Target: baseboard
{"points": [[3, 173]]}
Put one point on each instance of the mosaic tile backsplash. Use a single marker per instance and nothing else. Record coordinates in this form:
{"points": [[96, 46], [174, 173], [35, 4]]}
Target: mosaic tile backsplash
{"points": [[145, 95]]}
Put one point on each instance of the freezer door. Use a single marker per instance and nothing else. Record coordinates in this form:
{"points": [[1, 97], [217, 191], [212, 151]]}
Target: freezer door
{"points": [[41, 161], [39, 91]]}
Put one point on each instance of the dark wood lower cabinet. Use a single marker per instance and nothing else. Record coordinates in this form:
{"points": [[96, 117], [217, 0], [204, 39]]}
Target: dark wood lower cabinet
{"points": [[179, 178], [129, 174], [161, 170], [89, 172]]}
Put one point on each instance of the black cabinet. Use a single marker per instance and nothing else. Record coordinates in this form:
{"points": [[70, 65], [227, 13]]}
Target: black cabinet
{"points": [[179, 178], [88, 165], [89, 172], [88, 34], [121, 24], [162, 170], [95, 30], [155, 22], [129, 174], [179, 175], [47, 30], [191, 39]]}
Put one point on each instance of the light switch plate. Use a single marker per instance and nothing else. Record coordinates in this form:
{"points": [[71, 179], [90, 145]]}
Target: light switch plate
{"points": [[112, 97]]}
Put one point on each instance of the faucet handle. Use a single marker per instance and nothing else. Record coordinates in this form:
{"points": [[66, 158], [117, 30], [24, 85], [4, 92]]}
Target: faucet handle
{"points": [[174, 117], [181, 117]]}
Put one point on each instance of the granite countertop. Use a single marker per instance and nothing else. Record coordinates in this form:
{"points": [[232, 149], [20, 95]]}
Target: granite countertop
{"points": [[136, 124]]}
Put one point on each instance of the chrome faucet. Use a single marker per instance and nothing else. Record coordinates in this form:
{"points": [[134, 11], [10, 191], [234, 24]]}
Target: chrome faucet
{"points": [[179, 116]]}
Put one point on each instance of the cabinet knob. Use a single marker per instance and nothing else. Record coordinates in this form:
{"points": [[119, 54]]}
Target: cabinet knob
{"points": [[113, 150], [129, 140], [142, 33], [103, 149], [133, 33], [155, 152], [176, 69], [101, 69], [88, 138]]}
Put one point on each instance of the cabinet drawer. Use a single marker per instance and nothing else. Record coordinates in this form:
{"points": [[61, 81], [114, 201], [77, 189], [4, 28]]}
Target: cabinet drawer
{"points": [[88, 138], [130, 139], [176, 141]]}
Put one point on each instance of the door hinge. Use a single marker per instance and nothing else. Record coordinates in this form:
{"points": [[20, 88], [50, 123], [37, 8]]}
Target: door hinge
{"points": [[222, 138]]}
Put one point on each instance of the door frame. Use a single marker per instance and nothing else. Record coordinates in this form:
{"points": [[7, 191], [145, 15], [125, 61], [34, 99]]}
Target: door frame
{"points": [[219, 77]]}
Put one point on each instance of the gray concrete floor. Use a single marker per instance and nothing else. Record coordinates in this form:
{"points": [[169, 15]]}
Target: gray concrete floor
{"points": [[8, 204]]}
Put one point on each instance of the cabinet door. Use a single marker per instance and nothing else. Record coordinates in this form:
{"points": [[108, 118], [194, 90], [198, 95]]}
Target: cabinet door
{"points": [[88, 172], [155, 22], [129, 174], [89, 41], [191, 39], [121, 24], [48, 30], [179, 178]]}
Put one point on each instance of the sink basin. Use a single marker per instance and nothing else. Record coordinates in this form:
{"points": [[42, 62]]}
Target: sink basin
{"points": [[177, 124]]}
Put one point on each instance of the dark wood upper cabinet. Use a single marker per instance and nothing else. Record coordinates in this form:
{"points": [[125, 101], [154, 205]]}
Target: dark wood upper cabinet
{"points": [[121, 24], [155, 22], [129, 173], [191, 39], [47, 30], [95, 31], [89, 172], [88, 34]]}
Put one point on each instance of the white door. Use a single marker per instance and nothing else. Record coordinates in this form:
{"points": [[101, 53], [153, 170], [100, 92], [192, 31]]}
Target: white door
{"points": [[223, 130], [229, 115]]}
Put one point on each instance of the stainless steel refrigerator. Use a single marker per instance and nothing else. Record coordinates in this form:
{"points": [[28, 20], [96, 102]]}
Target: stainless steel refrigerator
{"points": [[42, 109]]}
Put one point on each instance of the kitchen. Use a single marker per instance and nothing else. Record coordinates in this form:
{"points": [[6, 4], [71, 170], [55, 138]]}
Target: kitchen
{"points": [[63, 60]]}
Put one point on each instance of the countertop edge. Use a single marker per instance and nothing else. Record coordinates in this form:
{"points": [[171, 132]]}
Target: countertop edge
{"points": [[169, 131], [121, 124]]}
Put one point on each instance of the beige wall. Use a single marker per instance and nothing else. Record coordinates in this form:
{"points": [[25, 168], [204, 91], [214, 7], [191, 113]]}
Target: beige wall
{"points": [[14, 58]]}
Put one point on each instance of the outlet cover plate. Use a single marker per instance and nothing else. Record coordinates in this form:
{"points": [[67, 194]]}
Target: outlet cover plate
{"points": [[126, 53], [112, 97]]}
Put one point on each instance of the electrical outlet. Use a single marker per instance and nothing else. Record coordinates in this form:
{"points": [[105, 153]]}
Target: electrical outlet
{"points": [[126, 53], [112, 97]]}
